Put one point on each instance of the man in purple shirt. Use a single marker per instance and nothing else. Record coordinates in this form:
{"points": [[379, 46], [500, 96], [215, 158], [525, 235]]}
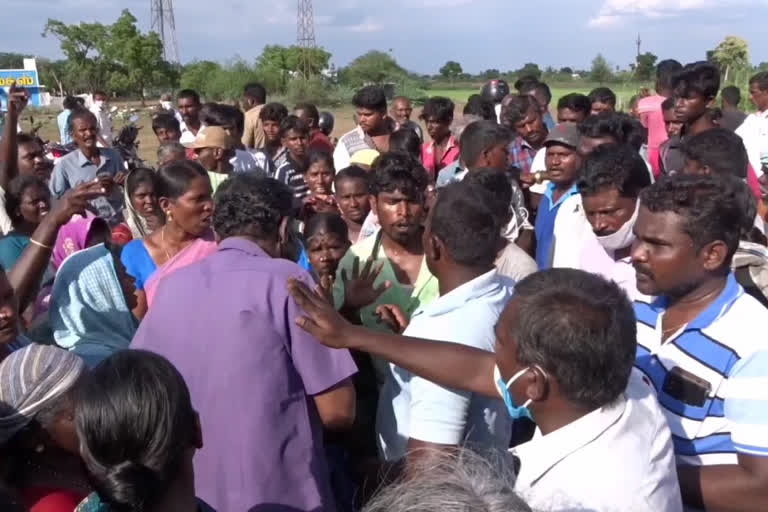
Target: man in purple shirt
{"points": [[264, 388]]}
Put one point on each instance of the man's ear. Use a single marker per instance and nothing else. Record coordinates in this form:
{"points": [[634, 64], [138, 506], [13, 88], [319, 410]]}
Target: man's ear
{"points": [[713, 255], [435, 248]]}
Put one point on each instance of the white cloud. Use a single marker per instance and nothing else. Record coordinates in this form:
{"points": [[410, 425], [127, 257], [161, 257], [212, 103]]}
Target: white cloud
{"points": [[614, 12], [367, 25]]}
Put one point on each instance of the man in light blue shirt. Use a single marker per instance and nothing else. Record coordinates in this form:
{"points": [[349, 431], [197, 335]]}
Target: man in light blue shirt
{"points": [[70, 104], [460, 242]]}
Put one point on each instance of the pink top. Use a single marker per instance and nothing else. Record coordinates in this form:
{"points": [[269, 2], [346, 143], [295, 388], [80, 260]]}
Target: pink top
{"points": [[428, 156], [652, 118]]}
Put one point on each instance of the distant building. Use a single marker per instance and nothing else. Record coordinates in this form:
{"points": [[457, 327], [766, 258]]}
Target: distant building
{"points": [[26, 78]]}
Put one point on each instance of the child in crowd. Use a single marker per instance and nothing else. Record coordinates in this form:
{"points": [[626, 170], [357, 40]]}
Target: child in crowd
{"points": [[352, 198], [327, 240], [318, 177]]}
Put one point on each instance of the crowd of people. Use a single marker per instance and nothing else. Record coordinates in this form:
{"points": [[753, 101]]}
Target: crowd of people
{"points": [[514, 307]]}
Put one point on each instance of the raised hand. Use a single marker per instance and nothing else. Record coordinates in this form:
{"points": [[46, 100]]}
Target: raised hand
{"points": [[393, 317], [75, 201], [321, 319], [17, 99], [359, 290]]}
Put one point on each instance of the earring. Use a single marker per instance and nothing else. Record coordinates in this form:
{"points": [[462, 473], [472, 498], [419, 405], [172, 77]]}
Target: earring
{"points": [[169, 216], [40, 448]]}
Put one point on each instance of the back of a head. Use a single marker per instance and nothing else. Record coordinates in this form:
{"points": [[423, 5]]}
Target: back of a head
{"points": [[665, 72], [538, 88], [370, 97], [496, 183], [575, 102], [135, 421], [480, 107], [438, 108], [247, 205], [401, 172], [464, 221], [616, 166], [515, 108], [175, 178], [171, 151], [731, 95], [580, 328], [478, 137], [602, 95], [405, 140], [719, 149], [219, 114], [70, 103], [525, 82], [708, 204], [462, 481], [256, 92], [310, 111], [188, 94], [699, 77], [623, 128]]}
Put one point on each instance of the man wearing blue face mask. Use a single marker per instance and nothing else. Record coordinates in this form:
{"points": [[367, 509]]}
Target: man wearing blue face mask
{"points": [[565, 347]]}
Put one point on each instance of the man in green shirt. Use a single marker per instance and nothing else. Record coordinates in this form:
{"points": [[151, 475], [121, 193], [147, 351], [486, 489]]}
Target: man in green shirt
{"points": [[388, 268]]}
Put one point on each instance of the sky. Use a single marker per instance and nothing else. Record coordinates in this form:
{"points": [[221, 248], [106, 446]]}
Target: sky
{"points": [[423, 34]]}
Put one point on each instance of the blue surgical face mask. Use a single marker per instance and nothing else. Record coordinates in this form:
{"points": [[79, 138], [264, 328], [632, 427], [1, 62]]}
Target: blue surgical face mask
{"points": [[515, 412]]}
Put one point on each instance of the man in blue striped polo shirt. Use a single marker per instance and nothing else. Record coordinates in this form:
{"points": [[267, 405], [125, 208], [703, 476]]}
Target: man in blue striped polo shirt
{"points": [[700, 342]]}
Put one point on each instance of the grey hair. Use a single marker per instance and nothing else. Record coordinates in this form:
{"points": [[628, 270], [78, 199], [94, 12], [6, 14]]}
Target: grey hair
{"points": [[463, 481], [169, 149]]}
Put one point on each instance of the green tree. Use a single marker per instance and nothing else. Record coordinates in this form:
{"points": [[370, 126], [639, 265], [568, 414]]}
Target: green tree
{"points": [[490, 74], [601, 71], [11, 60], [287, 61], [566, 71], [116, 57], [198, 76], [374, 67], [88, 68], [529, 69], [451, 70], [731, 55], [645, 66]]}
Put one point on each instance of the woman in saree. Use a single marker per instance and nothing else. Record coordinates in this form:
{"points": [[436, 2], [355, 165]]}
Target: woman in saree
{"points": [[185, 198], [142, 212]]}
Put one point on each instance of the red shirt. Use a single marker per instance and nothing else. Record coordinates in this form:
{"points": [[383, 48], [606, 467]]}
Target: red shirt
{"points": [[43, 499], [319, 142], [428, 156]]}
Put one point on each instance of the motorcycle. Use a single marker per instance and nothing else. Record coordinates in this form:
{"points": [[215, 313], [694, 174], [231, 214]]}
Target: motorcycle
{"points": [[127, 145]]}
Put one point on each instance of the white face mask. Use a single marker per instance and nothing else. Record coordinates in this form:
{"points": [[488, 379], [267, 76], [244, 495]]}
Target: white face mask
{"points": [[166, 105], [623, 237]]}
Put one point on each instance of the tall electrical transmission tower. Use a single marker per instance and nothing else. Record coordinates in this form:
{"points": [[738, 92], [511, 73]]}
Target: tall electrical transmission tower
{"points": [[305, 35], [164, 24]]}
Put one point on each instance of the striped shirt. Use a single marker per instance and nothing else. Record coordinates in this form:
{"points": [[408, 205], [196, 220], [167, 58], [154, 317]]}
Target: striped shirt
{"points": [[294, 178], [726, 349], [349, 144]]}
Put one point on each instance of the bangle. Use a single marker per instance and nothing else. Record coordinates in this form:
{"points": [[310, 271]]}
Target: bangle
{"points": [[35, 242]]}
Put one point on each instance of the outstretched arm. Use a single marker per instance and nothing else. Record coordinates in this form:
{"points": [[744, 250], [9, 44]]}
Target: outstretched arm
{"points": [[447, 364]]}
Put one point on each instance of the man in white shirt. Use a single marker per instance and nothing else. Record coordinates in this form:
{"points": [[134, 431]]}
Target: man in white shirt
{"points": [[460, 244], [188, 103], [594, 233], [754, 130], [565, 347], [100, 109]]}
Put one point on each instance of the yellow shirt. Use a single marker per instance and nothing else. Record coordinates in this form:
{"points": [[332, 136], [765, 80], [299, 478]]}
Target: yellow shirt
{"points": [[253, 132]]}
